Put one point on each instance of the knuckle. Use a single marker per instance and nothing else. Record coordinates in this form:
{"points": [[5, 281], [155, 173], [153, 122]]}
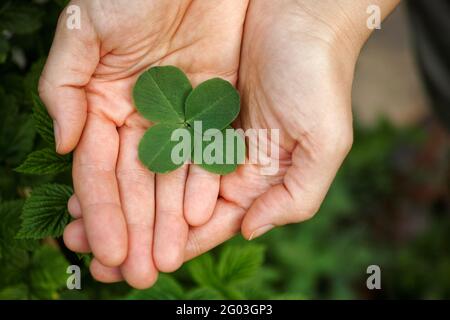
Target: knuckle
{"points": [[177, 177], [99, 205], [202, 174], [43, 88], [135, 176], [346, 142], [195, 249], [63, 15], [303, 213], [338, 143], [171, 213]]}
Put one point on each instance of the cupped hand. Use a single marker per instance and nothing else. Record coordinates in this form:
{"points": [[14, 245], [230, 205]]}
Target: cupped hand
{"points": [[86, 85], [296, 73], [295, 76]]}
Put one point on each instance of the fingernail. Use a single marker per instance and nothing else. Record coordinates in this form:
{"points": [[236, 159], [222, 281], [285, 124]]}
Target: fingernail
{"points": [[260, 231], [57, 133]]}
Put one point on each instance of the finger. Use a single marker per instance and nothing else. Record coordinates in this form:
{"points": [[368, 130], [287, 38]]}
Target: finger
{"points": [[73, 206], [96, 187], [103, 273], [300, 194], [75, 237], [202, 190], [171, 229], [71, 62], [79, 244], [224, 224], [137, 193]]}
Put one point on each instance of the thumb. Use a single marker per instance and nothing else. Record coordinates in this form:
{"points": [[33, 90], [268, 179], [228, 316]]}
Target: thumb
{"points": [[300, 194], [71, 62]]}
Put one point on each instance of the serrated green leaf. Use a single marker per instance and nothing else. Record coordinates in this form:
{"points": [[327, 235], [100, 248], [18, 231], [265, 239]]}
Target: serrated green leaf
{"points": [[239, 263], [215, 103], [42, 120], [221, 160], [160, 92], [47, 273], [45, 161], [31, 79], [166, 288], [202, 271], [45, 212], [155, 148], [22, 142], [204, 294]]}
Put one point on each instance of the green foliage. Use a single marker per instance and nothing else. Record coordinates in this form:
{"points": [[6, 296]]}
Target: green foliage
{"points": [[239, 263], [16, 292], [9, 226], [19, 18], [203, 271], [215, 279], [42, 120], [166, 288], [204, 293], [387, 206], [85, 257], [45, 161], [45, 212], [17, 132], [40, 275], [29, 270], [235, 266], [4, 49], [164, 95], [47, 272]]}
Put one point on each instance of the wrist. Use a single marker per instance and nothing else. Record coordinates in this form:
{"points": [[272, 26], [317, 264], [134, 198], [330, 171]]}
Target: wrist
{"points": [[341, 23]]}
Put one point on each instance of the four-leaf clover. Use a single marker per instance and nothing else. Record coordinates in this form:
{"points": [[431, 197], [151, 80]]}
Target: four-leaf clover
{"points": [[165, 96]]}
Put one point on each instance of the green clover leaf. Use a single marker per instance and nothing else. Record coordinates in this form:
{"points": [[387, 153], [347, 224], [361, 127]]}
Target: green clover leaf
{"points": [[155, 148], [160, 92], [164, 96], [215, 102], [221, 160]]}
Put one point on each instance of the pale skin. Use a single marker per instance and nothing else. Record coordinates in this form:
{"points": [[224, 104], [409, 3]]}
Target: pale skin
{"points": [[292, 63]]}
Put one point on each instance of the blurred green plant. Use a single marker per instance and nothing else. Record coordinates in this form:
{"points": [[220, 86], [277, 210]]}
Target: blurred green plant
{"points": [[388, 206]]}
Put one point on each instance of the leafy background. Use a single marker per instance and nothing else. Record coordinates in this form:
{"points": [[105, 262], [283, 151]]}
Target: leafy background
{"points": [[388, 206]]}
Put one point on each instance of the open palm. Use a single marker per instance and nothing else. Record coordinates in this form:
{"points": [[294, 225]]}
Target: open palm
{"points": [[295, 75], [292, 78], [86, 85]]}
